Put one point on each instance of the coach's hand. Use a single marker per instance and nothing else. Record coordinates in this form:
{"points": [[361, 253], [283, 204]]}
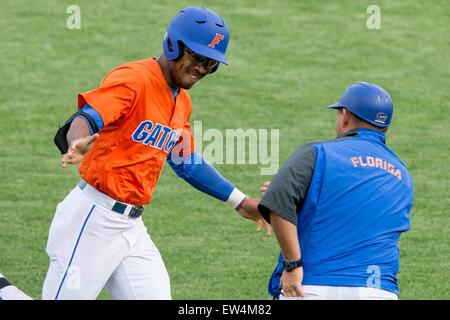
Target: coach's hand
{"points": [[292, 283], [78, 148], [249, 210], [264, 187]]}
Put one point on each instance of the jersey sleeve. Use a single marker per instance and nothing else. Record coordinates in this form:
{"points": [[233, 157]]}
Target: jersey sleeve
{"points": [[94, 116], [289, 186], [115, 96]]}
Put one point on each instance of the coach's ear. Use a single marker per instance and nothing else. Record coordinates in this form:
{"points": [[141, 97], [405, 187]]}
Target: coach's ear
{"points": [[343, 121], [346, 117]]}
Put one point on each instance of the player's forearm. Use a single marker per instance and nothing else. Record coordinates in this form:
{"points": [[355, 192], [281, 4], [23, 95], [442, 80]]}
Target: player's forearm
{"points": [[78, 129], [204, 177], [286, 234]]}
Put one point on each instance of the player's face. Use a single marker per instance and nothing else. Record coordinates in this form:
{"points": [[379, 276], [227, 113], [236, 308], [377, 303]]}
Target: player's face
{"points": [[191, 68]]}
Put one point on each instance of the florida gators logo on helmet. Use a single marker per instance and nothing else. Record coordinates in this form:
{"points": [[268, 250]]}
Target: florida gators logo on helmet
{"points": [[381, 117], [216, 40]]}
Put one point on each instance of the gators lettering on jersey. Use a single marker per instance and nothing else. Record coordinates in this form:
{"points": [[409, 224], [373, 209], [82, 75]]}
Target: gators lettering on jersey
{"points": [[156, 136], [142, 123]]}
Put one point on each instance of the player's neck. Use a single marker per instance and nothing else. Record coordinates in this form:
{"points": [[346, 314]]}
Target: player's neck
{"points": [[164, 65]]}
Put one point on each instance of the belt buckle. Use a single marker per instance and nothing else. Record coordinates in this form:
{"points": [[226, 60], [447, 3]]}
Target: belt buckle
{"points": [[136, 211]]}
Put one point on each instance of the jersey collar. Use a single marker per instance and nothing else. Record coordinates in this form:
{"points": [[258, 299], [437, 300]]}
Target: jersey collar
{"points": [[369, 133]]}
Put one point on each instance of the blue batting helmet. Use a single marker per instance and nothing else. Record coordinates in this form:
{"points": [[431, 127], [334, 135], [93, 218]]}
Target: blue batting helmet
{"points": [[369, 102], [201, 30]]}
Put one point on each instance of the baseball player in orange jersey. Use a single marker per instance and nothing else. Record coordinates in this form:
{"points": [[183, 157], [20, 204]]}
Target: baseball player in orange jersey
{"points": [[123, 133]]}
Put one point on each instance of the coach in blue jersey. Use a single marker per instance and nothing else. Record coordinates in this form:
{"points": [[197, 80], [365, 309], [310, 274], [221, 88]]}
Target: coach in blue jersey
{"points": [[338, 207]]}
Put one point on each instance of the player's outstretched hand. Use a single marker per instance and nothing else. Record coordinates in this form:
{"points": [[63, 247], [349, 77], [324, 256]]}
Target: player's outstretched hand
{"points": [[78, 149], [249, 210]]}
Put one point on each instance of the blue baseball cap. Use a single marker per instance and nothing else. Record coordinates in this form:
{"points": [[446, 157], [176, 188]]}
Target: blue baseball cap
{"points": [[369, 102], [201, 30]]}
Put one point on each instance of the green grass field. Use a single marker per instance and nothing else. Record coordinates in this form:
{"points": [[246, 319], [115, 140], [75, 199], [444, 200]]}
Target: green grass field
{"points": [[287, 60]]}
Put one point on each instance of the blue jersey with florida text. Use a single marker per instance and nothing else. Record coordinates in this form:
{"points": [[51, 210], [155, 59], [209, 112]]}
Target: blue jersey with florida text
{"points": [[357, 204]]}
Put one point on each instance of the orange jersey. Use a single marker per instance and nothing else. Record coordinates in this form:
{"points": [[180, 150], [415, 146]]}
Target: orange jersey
{"points": [[142, 123]]}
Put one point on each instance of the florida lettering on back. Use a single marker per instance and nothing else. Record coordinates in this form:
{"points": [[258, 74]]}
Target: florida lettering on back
{"points": [[374, 162]]}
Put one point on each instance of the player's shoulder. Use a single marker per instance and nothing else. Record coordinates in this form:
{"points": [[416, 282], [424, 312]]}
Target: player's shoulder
{"points": [[143, 66], [123, 74], [134, 71], [145, 72], [136, 67]]}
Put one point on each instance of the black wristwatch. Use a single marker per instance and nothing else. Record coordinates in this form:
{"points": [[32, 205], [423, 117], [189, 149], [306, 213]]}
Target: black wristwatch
{"points": [[288, 266]]}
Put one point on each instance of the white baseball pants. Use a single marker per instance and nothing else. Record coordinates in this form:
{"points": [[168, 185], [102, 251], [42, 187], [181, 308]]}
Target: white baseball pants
{"points": [[91, 247], [342, 293]]}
